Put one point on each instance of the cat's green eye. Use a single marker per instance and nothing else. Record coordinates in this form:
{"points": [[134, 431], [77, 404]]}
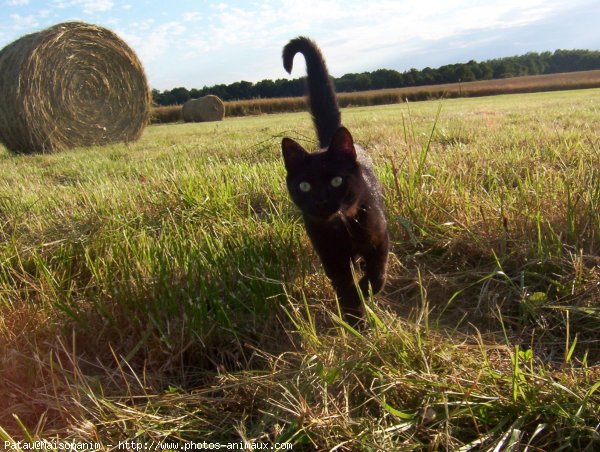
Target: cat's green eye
{"points": [[304, 186], [336, 181]]}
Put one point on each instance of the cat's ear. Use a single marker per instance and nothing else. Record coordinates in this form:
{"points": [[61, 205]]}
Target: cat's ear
{"points": [[342, 145], [293, 154]]}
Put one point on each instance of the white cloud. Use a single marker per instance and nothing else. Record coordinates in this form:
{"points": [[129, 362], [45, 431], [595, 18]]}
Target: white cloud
{"points": [[151, 41], [20, 22], [354, 27], [192, 16], [357, 33], [17, 2], [87, 6], [219, 6]]}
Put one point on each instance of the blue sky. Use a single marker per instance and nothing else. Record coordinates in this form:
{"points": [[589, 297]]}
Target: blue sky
{"points": [[203, 42]]}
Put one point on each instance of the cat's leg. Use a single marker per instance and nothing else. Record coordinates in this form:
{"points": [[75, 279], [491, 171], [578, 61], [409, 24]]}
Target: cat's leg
{"points": [[350, 302], [375, 268]]}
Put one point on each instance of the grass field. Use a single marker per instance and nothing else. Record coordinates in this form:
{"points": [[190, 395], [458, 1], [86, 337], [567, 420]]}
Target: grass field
{"points": [[165, 290]]}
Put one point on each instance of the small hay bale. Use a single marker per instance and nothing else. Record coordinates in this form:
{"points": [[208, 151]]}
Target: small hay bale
{"points": [[73, 84], [207, 108]]}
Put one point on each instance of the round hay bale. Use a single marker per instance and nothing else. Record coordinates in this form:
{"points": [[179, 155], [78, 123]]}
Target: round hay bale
{"points": [[73, 84], [207, 108]]}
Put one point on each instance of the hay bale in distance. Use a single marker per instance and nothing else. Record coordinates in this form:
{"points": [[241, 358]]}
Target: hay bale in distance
{"points": [[73, 84], [207, 108]]}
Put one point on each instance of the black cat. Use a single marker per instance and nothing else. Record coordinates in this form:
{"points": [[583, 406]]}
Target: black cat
{"points": [[337, 191]]}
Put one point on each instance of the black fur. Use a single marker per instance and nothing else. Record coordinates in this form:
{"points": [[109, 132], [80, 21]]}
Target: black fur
{"points": [[321, 95], [337, 191]]}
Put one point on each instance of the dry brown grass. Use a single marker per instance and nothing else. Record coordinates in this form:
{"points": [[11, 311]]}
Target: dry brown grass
{"points": [[162, 115]]}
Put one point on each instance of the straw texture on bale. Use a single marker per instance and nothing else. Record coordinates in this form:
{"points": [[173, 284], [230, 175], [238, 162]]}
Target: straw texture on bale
{"points": [[207, 108], [73, 84]]}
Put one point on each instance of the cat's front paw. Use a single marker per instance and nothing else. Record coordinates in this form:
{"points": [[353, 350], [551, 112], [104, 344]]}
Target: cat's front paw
{"points": [[376, 282]]}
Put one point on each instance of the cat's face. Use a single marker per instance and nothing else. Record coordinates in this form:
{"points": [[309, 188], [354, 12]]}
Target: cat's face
{"points": [[325, 182]]}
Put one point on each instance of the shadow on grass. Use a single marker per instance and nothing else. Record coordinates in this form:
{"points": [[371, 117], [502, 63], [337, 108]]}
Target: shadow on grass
{"points": [[546, 305], [140, 320]]}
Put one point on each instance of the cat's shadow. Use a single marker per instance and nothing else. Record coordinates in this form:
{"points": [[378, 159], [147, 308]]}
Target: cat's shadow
{"points": [[449, 303]]}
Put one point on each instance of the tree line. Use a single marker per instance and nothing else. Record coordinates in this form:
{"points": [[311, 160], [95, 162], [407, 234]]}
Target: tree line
{"points": [[531, 63]]}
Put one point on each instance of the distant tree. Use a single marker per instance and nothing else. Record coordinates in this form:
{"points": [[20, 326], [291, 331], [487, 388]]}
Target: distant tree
{"points": [[474, 68], [573, 60], [428, 76], [363, 82], [486, 71], [197, 93], [156, 96], [181, 95], [465, 74], [417, 77], [533, 63], [296, 87], [346, 83], [505, 68], [239, 90], [266, 88], [386, 78], [446, 74], [529, 64]]}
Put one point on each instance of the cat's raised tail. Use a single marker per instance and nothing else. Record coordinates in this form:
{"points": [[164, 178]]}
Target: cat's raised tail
{"points": [[321, 94]]}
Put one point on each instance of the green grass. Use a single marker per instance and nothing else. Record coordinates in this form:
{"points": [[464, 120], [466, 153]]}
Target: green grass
{"points": [[165, 290]]}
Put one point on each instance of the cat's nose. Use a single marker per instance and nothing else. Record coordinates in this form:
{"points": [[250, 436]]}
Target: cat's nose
{"points": [[320, 202]]}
